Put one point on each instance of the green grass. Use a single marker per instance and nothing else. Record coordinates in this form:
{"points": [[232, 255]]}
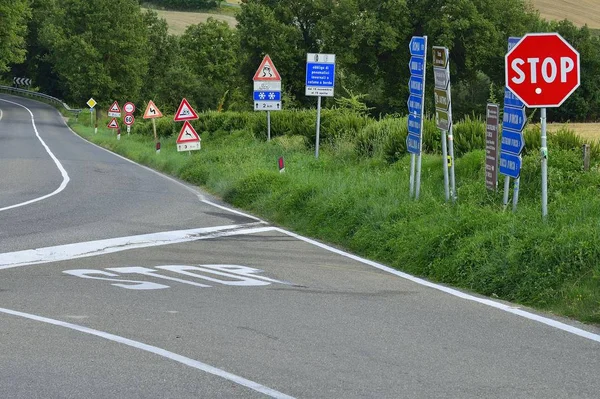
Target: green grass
{"points": [[359, 200]]}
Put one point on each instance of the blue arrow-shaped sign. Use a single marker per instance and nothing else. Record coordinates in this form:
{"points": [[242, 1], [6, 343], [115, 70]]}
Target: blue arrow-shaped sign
{"points": [[416, 86], [415, 104], [413, 144], [512, 141], [510, 100], [417, 46], [510, 165], [514, 119], [414, 125], [416, 65]]}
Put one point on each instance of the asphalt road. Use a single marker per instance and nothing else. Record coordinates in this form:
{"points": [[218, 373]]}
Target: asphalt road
{"points": [[121, 283]]}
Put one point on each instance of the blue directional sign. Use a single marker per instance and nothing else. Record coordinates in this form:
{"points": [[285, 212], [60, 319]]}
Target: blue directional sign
{"points": [[512, 42], [267, 96], [417, 66], [510, 165], [416, 85], [415, 104], [414, 124], [510, 100], [413, 144], [512, 141], [514, 119], [417, 46]]}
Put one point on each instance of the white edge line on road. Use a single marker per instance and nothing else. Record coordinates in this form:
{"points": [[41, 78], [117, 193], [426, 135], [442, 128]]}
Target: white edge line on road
{"points": [[65, 252], [63, 172], [1, 114], [488, 302], [157, 351], [187, 187]]}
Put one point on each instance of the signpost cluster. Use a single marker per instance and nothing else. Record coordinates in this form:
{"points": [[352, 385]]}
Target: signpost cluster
{"points": [[267, 90], [129, 119], [416, 85], [443, 114]]}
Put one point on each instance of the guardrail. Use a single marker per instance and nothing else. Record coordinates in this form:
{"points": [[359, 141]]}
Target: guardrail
{"points": [[29, 93]]}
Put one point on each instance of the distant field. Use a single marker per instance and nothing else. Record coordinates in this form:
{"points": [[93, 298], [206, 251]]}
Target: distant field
{"points": [[179, 20], [580, 12], [590, 131]]}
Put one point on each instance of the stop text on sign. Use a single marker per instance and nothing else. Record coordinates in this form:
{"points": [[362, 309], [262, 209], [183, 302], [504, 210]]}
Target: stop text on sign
{"points": [[549, 69]]}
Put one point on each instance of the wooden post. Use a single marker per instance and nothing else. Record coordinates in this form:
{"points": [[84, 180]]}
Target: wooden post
{"points": [[586, 157]]}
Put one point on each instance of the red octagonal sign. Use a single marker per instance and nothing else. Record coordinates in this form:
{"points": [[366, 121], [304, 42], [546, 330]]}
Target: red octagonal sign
{"points": [[542, 70]]}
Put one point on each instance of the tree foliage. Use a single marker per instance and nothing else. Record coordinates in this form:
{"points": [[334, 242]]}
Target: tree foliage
{"points": [[13, 28]]}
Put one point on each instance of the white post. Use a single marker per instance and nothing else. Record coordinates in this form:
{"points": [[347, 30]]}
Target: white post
{"points": [[516, 193], [544, 153], [445, 165], [318, 126], [412, 175], [268, 125], [506, 188]]}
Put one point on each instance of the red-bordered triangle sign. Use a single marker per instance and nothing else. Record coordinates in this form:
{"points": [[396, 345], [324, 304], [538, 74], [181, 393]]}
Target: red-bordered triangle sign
{"points": [[266, 70], [152, 111], [113, 124], [187, 134], [115, 107], [185, 112]]}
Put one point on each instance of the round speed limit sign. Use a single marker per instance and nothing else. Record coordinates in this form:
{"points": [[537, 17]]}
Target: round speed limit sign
{"points": [[129, 119], [129, 108]]}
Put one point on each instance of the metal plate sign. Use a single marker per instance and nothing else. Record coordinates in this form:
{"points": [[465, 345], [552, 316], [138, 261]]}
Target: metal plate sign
{"points": [[413, 144], [512, 141], [416, 85], [442, 120], [491, 147], [514, 118], [441, 77], [414, 125], [415, 104], [510, 165], [440, 57], [442, 99], [267, 105], [416, 66], [320, 75]]}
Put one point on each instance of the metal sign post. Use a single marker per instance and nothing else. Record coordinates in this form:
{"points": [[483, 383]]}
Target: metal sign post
{"points": [[267, 90], [443, 115], [415, 104], [320, 82]]}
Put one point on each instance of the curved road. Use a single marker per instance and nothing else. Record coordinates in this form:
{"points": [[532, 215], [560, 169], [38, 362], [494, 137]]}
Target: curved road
{"points": [[117, 282]]}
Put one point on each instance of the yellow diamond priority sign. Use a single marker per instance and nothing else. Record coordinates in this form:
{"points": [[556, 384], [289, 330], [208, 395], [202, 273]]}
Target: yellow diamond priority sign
{"points": [[91, 103]]}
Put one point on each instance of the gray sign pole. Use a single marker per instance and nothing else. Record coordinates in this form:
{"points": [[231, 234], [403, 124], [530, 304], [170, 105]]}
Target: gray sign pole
{"points": [[445, 164], [420, 156], [268, 125], [412, 174], [516, 193], [451, 154], [544, 153], [506, 189], [318, 126]]}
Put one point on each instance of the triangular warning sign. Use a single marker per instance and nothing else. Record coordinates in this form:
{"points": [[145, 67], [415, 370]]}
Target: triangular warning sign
{"points": [[115, 107], [187, 134], [266, 70], [185, 112], [113, 124], [152, 111]]}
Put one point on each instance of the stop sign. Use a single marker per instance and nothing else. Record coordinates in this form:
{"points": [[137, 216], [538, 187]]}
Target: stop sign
{"points": [[542, 70]]}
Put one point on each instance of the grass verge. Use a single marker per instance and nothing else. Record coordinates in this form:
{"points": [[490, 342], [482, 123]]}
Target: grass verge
{"points": [[361, 203]]}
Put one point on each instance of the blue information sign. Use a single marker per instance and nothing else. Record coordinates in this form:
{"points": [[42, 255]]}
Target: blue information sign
{"points": [[414, 124], [512, 141], [416, 85], [415, 104], [413, 144], [510, 100], [417, 46], [510, 165], [514, 119], [417, 66], [267, 96]]}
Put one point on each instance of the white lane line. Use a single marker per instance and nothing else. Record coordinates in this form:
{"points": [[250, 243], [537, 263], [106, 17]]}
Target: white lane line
{"points": [[488, 302], [1, 114], [63, 172], [157, 351], [59, 253], [184, 185]]}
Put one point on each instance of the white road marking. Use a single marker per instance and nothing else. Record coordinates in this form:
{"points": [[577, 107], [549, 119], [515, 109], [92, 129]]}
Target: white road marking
{"points": [[157, 351], [63, 172], [484, 301], [1, 114], [58, 253]]}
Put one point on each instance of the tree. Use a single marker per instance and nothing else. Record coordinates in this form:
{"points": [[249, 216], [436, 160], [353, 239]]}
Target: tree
{"points": [[13, 28], [97, 49], [210, 51]]}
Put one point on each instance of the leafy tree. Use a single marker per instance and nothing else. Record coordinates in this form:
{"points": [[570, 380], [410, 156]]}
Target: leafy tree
{"points": [[210, 51], [97, 49], [13, 28]]}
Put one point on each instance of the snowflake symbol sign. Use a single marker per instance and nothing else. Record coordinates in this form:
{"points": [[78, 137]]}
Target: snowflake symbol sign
{"points": [[271, 96], [261, 96]]}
